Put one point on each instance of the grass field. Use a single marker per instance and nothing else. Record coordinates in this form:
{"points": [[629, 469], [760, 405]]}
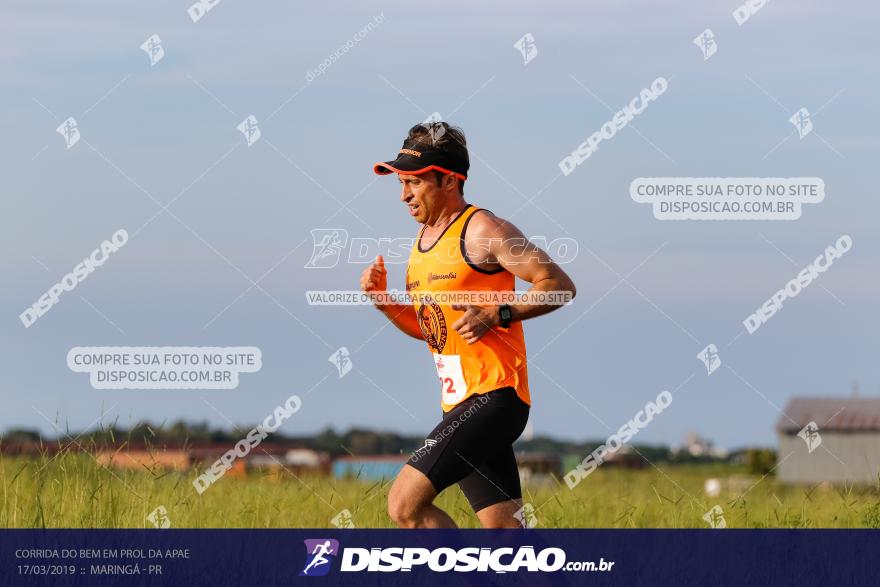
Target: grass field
{"points": [[72, 490]]}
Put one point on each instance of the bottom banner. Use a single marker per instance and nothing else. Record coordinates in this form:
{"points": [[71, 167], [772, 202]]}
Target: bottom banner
{"points": [[447, 557]]}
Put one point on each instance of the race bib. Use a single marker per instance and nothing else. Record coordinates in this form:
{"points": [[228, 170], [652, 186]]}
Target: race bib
{"points": [[453, 387]]}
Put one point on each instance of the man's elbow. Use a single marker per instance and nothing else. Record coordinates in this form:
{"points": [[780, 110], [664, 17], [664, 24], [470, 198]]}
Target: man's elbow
{"points": [[567, 285]]}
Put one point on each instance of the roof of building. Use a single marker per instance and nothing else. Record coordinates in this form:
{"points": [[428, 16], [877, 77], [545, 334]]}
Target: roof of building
{"points": [[831, 413]]}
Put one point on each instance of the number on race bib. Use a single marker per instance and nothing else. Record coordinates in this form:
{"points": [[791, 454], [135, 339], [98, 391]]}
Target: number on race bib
{"points": [[452, 385], [447, 382]]}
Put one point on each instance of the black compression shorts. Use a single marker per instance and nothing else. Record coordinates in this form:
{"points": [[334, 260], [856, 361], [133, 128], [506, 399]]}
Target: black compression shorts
{"points": [[473, 446]]}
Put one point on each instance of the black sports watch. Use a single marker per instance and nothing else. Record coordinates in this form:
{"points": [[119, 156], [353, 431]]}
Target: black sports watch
{"points": [[506, 315]]}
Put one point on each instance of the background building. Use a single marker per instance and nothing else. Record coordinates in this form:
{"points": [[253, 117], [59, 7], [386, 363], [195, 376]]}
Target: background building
{"points": [[829, 439]]}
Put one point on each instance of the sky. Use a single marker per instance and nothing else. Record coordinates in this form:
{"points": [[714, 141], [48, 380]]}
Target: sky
{"points": [[220, 231]]}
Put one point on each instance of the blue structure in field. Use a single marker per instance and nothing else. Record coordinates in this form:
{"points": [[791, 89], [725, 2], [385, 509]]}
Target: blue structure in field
{"points": [[369, 468]]}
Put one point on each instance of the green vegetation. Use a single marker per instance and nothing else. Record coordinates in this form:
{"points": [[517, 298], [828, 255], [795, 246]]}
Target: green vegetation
{"points": [[72, 490]]}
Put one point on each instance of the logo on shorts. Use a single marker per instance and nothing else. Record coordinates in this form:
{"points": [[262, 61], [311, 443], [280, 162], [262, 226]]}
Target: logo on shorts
{"points": [[318, 553], [432, 324], [429, 443]]}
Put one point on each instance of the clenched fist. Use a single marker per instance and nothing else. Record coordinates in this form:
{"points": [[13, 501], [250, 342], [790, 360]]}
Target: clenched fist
{"points": [[475, 322], [375, 277]]}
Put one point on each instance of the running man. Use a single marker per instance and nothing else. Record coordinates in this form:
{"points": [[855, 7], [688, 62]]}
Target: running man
{"points": [[320, 551], [479, 350]]}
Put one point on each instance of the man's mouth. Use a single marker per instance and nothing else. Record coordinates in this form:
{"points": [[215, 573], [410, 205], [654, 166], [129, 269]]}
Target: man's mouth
{"points": [[413, 209]]}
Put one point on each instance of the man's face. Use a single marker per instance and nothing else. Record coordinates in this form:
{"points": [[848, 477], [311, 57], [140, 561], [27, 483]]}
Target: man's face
{"points": [[422, 194]]}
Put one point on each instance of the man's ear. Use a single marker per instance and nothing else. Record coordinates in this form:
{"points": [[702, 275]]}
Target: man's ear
{"points": [[448, 181]]}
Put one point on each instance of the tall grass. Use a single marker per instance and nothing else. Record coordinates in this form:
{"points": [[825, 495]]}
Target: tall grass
{"points": [[71, 490]]}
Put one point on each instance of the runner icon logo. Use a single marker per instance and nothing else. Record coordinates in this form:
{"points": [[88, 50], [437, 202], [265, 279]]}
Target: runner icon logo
{"points": [[343, 520], [802, 122], [715, 518], [434, 125], [70, 131], [327, 247], [250, 129], [810, 435], [342, 359], [706, 43], [318, 553], [710, 358], [153, 48], [527, 47]]}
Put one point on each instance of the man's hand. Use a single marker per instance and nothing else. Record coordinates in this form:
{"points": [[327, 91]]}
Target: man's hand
{"points": [[476, 321], [374, 281], [375, 277]]}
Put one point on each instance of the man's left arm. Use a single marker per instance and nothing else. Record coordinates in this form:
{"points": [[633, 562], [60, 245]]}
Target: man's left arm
{"points": [[491, 241]]}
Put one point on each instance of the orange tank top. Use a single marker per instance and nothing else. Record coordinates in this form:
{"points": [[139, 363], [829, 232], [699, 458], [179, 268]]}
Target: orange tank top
{"points": [[498, 359]]}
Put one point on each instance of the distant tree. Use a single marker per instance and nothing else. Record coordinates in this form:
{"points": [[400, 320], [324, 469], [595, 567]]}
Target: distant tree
{"points": [[327, 441], [760, 461], [14, 435]]}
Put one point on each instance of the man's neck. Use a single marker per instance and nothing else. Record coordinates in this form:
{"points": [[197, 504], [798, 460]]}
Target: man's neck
{"points": [[448, 214]]}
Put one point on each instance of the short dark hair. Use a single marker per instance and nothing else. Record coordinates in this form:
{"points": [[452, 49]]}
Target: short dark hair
{"points": [[443, 136]]}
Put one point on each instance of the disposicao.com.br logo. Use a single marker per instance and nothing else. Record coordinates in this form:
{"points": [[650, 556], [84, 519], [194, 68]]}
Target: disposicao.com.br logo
{"points": [[318, 561], [442, 559]]}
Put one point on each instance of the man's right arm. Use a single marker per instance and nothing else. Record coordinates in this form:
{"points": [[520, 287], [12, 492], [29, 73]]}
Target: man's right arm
{"points": [[375, 280]]}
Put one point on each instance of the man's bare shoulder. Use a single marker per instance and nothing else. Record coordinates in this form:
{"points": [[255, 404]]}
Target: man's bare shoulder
{"points": [[486, 225]]}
